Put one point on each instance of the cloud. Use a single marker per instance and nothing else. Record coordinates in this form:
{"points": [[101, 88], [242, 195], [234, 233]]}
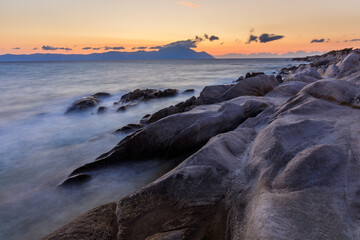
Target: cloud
{"points": [[113, 48], [264, 38], [353, 40], [188, 4], [87, 48], [66, 49], [322, 40], [50, 48], [138, 48], [213, 38], [96, 48], [35, 48], [189, 43], [16, 48], [157, 47], [252, 38]]}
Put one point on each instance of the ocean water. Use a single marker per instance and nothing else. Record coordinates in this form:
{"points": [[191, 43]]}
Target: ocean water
{"points": [[40, 145]]}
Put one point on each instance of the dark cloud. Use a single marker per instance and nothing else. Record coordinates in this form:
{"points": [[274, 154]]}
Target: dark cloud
{"points": [[189, 43], [199, 39], [139, 48], [184, 43], [210, 38], [113, 48], [318, 40], [66, 49], [87, 48], [16, 48], [154, 48], [213, 38], [96, 48], [252, 38], [35, 48], [50, 48], [264, 38], [353, 40]]}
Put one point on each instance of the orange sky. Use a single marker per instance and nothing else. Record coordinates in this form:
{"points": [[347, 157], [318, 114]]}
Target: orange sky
{"points": [[144, 23]]}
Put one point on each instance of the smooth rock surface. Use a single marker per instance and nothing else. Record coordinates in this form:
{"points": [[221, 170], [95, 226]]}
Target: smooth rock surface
{"points": [[276, 161]]}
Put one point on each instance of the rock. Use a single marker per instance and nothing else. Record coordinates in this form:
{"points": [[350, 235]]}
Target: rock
{"points": [[102, 95], [76, 180], [98, 224], [178, 108], [269, 165], [189, 90], [101, 109], [129, 128], [145, 94], [305, 74], [178, 134], [240, 79], [211, 94], [254, 74], [83, 104], [121, 109], [285, 71], [279, 78]]}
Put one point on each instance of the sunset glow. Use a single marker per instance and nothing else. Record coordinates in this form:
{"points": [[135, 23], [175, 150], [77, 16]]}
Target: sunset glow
{"points": [[89, 26]]}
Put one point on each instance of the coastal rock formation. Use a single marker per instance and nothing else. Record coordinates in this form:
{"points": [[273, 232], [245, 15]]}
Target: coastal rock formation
{"points": [[85, 103], [267, 161], [145, 94]]}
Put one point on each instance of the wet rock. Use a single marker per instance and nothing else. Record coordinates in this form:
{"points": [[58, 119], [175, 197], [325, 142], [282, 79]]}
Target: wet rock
{"points": [[145, 94], [240, 79], [101, 110], [178, 108], [102, 95], [83, 104], [189, 90], [76, 180], [254, 74], [129, 128], [121, 109]]}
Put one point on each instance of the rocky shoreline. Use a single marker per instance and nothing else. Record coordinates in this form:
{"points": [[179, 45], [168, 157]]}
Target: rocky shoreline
{"points": [[269, 158]]}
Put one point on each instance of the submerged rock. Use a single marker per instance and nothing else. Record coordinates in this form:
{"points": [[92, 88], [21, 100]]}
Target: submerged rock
{"points": [[102, 95], [76, 180], [101, 109], [83, 104], [189, 90]]}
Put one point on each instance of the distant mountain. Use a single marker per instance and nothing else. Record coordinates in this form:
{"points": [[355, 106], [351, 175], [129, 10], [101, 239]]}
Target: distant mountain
{"points": [[164, 53]]}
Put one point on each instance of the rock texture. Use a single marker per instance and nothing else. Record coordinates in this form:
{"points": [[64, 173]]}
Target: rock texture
{"points": [[268, 161], [85, 103], [139, 94]]}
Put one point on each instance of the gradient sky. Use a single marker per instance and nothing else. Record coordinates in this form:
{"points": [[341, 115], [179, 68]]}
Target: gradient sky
{"points": [[75, 24]]}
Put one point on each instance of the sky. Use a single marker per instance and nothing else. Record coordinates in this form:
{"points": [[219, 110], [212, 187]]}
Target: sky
{"points": [[236, 26]]}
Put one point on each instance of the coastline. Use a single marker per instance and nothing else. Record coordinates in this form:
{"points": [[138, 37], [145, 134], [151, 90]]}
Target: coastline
{"points": [[257, 148]]}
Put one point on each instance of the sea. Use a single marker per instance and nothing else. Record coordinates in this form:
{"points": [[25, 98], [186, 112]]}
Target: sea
{"points": [[40, 145]]}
